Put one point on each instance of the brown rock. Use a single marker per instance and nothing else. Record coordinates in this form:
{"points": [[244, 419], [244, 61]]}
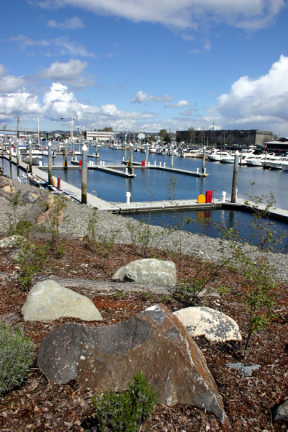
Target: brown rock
{"points": [[9, 189], [106, 358], [48, 215], [4, 181]]}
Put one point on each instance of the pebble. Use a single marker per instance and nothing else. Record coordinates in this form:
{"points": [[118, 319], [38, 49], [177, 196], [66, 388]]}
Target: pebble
{"points": [[114, 227]]}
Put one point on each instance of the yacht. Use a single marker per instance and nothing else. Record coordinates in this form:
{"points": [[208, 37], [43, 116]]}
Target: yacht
{"points": [[254, 160], [217, 155]]}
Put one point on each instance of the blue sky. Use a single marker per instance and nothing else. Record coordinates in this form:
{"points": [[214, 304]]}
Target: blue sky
{"points": [[149, 64]]}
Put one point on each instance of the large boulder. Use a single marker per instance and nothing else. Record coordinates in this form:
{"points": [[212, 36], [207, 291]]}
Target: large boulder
{"points": [[214, 325], [48, 301], [147, 271], [154, 342], [280, 411]]}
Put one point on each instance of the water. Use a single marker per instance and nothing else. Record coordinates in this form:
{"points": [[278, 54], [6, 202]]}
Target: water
{"points": [[154, 185]]}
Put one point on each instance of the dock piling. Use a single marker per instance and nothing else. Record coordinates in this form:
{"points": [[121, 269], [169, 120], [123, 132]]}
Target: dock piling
{"points": [[235, 178], [18, 153], [130, 167], [147, 153], [172, 156], [65, 163], [84, 174], [50, 178], [203, 160], [10, 150], [30, 156]]}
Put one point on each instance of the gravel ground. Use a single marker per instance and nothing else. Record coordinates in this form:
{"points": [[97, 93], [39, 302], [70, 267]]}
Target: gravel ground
{"points": [[115, 226]]}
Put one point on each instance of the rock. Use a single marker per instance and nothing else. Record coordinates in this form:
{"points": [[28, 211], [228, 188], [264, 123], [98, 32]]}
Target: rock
{"points": [[243, 370], [29, 197], [154, 342], [9, 189], [214, 325], [48, 301], [148, 271], [280, 411], [34, 212], [48, 216], [12, 241], [4, 181]]}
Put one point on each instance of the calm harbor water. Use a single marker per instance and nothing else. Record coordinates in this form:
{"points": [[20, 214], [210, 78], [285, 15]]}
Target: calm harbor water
{"points": [[156, 185]]}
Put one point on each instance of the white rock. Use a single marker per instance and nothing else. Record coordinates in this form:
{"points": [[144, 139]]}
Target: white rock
{"points": [[11, 241], [147, 271], [48, 301], [214, 325]]}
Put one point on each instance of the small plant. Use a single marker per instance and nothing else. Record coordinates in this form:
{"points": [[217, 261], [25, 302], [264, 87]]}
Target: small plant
{"points": [[54, 219], [146, 295], [15, 357], [126, 411], [31, 260], [16, 226]]}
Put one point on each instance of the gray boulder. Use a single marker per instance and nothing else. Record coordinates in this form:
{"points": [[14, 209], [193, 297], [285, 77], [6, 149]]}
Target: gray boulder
{"points": [[214, 325], [29, 197], [280, 411], [48, 301], [147, 271], [242, 369], [154, 342]]}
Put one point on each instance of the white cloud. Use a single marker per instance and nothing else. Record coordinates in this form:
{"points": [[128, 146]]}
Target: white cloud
{"points": [[143, 97], [3, 70], [261, 102], [10, 84], [60, 45], [248, 14], [74, 23], [67, 73], [179, 104]]}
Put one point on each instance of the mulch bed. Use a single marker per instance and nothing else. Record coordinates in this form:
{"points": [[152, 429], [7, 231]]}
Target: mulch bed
{"points": [[39, 405]]}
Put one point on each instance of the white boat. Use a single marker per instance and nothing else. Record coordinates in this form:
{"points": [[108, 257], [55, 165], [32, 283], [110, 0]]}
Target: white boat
{"points": [[284, 166], [277, 164], [35, 159], [255, 160], [217, 155], [228, 159]]}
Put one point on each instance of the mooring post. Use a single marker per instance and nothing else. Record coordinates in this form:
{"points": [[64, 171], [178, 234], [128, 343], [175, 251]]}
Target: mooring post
{"points": [[84, 174], [131, 150], [65, 163], [172, 156], [203, 160], [30, 156], [147, 153], [125, 151], [10, 150], [235, 178], [18, 153], [73, 152], [50, 178]]}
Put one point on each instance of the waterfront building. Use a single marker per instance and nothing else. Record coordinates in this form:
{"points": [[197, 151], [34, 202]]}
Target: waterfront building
{"points": [[245, 137], [280, 145], [99, 136]]}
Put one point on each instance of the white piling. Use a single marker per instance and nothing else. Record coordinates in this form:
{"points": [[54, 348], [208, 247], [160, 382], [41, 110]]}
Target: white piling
{"points": [[84, 174], [160, 164], [154, 163], [128, 197], [164, 164], [223, 196]]}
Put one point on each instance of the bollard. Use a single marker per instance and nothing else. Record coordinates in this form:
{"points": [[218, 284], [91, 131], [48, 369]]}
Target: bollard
{"points": [[223, 196], [148, 164], [235, 178], [128, 196], [204, 170], [30, 156], [84, 174], [123, 159], [103, 163], [126, 171], [154, 163], [197, 170], [50, 179], [40, 163], [164, 164], [130, 167], [172, 156], [58, 182], [160, 164], [203, 160]]}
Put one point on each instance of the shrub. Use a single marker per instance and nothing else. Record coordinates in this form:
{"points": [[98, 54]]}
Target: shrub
{"points": [[126, 411], [31, 260], [15, 357]]}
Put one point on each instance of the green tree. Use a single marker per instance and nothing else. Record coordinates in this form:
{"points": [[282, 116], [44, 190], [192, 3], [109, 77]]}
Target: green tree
{"points": [[167, 138], [163, 133]]}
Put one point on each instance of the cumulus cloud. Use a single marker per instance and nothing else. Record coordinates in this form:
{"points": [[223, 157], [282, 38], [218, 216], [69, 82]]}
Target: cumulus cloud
{"points": [[248, 14], [74, 23], [179, 104], [262, 101], [68, 73], [61, 45], [58, 101], [143, 97]]}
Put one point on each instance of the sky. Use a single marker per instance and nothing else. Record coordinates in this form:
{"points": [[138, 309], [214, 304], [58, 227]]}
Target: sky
{"points": [[144, 64]]}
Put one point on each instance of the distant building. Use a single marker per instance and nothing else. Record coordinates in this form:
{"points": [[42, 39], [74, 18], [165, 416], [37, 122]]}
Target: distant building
{"points": [[220, 137], [99, 136], [279, 145]]}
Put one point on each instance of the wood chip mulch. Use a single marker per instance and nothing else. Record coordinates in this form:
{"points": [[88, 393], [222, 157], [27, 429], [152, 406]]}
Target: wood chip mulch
{"points": [[42, 406]]}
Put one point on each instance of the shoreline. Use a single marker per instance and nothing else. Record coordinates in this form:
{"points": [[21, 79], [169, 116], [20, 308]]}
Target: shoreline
{"points": [[110, 225]]}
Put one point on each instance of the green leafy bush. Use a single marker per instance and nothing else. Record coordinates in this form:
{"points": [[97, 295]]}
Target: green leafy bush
{"points": [[15, 357], [128, 410]]}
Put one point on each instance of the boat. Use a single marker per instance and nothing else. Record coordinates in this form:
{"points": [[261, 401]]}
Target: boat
{"points": [[217, 155], [35, 159], [75, 162], [228, 159], [36, 181], [254, 160], [277, 164]]}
